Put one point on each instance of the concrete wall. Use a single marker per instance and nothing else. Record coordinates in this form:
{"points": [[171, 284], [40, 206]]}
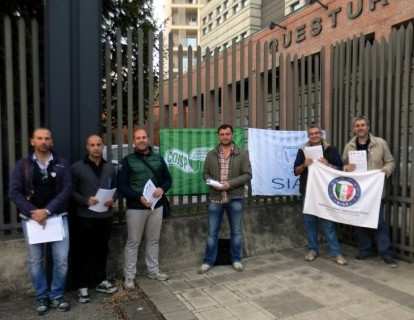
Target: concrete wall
{"points": [[272, 11], [183, 239]]}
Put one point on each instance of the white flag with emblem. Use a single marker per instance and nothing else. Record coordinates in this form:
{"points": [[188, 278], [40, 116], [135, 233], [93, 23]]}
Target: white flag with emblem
{"points": [[346, 197]]}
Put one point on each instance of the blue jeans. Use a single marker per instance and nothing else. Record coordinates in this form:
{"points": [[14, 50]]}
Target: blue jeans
{"points": [[234, 211], [382, 234], [36, 261], [329, 229]]}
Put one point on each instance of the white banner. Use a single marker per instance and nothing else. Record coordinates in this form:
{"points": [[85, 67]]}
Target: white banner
{"points": [[272, 155], [346, 197]]}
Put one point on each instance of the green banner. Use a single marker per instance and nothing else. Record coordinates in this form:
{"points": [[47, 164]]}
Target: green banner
{"points": [[185, 150]]}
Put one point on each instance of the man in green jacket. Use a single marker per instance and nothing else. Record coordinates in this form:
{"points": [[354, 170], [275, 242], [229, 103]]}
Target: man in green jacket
{"points": [[378, 157], [137, 169], [227, 169]]}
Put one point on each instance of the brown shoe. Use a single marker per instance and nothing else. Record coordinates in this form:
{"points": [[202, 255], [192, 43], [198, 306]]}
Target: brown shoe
{"points": [[341, 260]]}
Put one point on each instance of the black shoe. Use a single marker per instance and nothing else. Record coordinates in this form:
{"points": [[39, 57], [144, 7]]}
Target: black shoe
{"points": [[42, 306], [60, 305], [390, 261]]}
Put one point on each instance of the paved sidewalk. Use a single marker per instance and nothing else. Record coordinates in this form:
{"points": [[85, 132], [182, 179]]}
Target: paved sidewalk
{"points": [[283, 286], [123, 305]]}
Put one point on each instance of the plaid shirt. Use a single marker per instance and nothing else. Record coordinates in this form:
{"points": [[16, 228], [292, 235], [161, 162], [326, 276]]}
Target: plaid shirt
{"points": [[224, 171]]}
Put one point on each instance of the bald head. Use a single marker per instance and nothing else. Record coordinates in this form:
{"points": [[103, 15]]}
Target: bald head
{"points": [[140, 140], [94, 146]]}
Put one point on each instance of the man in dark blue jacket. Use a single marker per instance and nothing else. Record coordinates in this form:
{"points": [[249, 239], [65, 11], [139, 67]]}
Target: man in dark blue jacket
{"points": [[40, 186], [330, 158]]}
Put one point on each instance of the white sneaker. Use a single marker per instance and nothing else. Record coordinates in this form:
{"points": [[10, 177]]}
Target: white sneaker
{"points": [[238, 266], [106, 287], [204, 268], [157, 276], [129, 283], [83, 295]]}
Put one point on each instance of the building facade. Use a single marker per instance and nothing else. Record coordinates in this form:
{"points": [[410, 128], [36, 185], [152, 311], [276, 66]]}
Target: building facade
{"points": [[182, 25]]}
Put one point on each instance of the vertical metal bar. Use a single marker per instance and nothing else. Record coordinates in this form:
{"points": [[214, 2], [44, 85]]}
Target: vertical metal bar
{"points": [[381, 88], [335, 111], [296, 94], [161, 80], [242, 84], [216, 88], [264, 109], [180, 105], [353, 103], [347, 88], [405, 123], [190, 87], [318, 90], [108, 100], [311, 89], [233, 109], [21, 25], [258, 110], [367, 57], [140, 77], [250, 75], [274, 86], [224, 89], [207, 107], [130, 112], [360, 74], [8, 66], [374, 93], [303, 99], [341, 96], [199, 97], [170, 81], [2, 204], [150, 72], [35, 72], [389, 106], [119, 93]]}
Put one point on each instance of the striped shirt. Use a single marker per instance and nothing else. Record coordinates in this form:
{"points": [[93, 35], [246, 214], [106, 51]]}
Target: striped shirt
{"points": [[224, 164]]}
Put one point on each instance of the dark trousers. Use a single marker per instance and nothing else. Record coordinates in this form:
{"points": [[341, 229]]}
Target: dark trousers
{"points": [[91, 250]]}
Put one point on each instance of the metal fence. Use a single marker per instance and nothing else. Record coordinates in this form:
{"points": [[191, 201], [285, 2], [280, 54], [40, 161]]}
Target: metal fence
{"points": [[149, 82], [20, 106], [376, 79]]}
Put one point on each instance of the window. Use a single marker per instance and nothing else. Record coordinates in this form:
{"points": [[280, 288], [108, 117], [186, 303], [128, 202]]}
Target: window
{"points": [[204, 20], [218, 10], [218, 21], [210, 27], [204, 31], [225, 15], [210, 16], [235, 8], [225, 3], [244, 3], [243, 35], [295, 6]]}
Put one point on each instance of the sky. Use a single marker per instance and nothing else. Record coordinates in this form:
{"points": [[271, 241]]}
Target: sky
{"points": [[158, 10]]}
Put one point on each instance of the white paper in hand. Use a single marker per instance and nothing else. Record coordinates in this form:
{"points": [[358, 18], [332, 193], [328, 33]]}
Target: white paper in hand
{"points": [[359, 159], [214, 183], [51, 232], [314, 152], [103, 195], [149, 189]]}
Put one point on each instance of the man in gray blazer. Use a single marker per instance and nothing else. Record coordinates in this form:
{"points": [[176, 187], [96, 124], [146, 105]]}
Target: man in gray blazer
{"points": [[92, 228]]}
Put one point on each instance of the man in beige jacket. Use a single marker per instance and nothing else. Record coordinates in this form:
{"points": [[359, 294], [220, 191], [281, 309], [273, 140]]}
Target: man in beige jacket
{"points": [[378, 157]]}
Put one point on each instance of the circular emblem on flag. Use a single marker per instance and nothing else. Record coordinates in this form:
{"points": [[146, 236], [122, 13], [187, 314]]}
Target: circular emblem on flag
{"points": [[344, 191]]}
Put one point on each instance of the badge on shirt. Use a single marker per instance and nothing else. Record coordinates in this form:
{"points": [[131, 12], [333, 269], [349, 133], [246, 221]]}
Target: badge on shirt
{"points": [[53, 174]]}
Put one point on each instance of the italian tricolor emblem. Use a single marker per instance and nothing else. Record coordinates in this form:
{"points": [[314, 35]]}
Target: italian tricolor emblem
{"points": [[344, 192]]}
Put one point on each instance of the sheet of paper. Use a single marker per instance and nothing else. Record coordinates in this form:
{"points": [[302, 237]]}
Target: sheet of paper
{"points": [[214, 183], [359, 159], [149, 189], [51, 232], [314, 152], [103, 195]]}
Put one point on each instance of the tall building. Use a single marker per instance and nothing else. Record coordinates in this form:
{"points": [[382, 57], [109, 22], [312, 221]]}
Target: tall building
{"points": [[223, 21], [182, 20], [293, 5]]}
